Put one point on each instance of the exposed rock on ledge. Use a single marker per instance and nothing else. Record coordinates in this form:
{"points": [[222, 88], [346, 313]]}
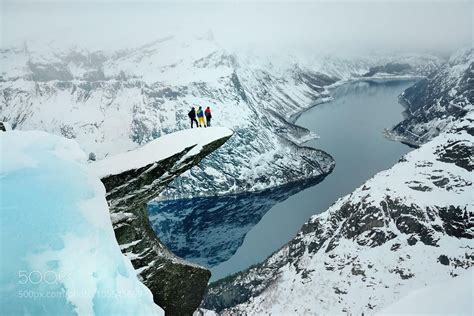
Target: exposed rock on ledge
{"points": [[134, 178]]}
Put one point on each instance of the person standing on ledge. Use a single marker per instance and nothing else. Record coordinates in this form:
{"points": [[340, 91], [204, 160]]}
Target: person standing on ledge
{"points": [[208, 116], [192, 117], [200, 115]]}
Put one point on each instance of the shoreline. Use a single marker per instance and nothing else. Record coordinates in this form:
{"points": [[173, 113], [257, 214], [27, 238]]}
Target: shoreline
{"points": [[327, 89], [291, 120]]}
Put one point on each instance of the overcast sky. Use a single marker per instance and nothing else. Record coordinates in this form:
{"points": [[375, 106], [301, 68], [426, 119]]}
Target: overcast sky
{"points": [[350, 27]]}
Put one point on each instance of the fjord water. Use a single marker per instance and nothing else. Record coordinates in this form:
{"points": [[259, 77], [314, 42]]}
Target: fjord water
{"points": [[245, 229]]}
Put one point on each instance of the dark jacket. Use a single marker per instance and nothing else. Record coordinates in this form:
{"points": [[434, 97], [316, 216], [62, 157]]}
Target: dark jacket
{"points": [[192, 114]]}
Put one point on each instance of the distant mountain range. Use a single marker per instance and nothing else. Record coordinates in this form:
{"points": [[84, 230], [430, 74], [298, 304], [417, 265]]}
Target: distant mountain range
{"points": [[113, 102]]}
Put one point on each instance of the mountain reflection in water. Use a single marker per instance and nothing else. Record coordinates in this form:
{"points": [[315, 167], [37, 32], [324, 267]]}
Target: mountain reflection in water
{"points": [[209, 230]]}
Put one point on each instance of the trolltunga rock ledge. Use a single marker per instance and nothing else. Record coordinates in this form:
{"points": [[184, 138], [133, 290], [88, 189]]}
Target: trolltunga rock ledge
{"points": [[134, 178]]}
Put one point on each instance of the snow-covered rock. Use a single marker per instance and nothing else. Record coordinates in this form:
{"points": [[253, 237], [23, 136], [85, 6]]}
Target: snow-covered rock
{"points": [[58, 249], [134, 178], [114, 102], [159, 149], [407, 227], [434, 102]]}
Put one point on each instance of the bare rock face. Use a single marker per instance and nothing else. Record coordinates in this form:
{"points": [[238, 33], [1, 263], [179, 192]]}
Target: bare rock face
{"points": [[4, 126], [177, 285]]}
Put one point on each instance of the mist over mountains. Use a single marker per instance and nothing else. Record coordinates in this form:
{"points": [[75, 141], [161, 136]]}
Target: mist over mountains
{"points": [[279, 28]]}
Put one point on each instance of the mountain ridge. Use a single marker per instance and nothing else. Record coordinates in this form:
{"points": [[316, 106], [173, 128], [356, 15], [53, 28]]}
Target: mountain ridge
{"points": [[113, 102], [406, 227]]}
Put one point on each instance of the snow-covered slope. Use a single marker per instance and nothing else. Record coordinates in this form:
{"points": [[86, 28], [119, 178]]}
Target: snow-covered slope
{"points": [[114, 102], [59, 255], [407, 227], [453, 297], [434, 102]]}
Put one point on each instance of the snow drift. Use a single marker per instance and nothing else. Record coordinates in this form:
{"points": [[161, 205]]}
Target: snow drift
{"points": [[60, 255]]}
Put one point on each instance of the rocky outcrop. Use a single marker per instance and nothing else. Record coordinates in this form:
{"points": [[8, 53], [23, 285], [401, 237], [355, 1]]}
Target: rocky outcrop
{"points": [[406, 227], [177, 285]]}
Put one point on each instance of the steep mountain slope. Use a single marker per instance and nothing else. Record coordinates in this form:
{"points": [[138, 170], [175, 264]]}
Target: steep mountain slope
{"points": [[113, 102], [406, 227], [434, 102], [131, 180]]}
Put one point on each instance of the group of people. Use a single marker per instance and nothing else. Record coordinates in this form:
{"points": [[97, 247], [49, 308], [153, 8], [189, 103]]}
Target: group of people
{"points": [[200, 114]]}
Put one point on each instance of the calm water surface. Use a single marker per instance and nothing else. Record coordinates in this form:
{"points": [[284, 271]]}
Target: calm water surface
{"points": [[350, 129]]}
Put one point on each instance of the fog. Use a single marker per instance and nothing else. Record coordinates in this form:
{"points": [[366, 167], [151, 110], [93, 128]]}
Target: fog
{"points": [[336, 27]]}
